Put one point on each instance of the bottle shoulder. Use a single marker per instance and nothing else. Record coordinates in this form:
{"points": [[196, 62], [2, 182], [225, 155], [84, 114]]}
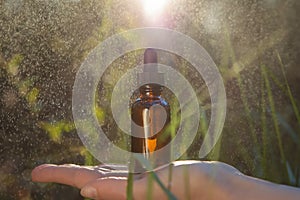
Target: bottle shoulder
{"points": [[149, 101]]}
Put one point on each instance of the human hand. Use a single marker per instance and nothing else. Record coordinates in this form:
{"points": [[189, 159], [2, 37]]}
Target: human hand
{"points": [[189, 179]]}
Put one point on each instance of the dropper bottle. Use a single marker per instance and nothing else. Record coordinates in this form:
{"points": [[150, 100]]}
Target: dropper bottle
{"points": [[150, 114]]}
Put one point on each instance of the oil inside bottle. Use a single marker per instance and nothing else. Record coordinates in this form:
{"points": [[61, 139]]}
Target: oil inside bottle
{"points": [[151, 112]]}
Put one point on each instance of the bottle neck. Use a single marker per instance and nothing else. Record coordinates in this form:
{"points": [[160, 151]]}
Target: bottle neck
{"points": [[150, 90]]}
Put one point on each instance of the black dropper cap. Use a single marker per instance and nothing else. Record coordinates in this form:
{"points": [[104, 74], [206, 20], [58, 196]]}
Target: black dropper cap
{"points": [[150, 72], [150, 56]]}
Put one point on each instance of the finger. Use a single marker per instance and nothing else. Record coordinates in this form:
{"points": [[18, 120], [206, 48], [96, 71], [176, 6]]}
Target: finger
{"points": [[106, 188], [116, 188], [73, 175]]}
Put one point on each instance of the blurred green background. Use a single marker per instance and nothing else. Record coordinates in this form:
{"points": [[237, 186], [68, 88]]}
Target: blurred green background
{"points": [[255, 44]]}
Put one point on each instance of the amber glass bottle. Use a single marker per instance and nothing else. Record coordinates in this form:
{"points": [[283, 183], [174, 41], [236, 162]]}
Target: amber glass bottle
{"points": [[151, 115]]}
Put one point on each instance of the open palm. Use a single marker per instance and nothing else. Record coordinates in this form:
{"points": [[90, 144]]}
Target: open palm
{"points": [[185, 179]]}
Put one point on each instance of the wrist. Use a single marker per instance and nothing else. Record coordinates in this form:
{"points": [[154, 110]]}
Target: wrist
{"points": [[248, 188]]}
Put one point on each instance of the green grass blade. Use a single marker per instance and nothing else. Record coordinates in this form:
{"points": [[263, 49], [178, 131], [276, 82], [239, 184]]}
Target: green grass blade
{"points": [[129, 188], [273, 113], [153, 175], [292, 99], [288, 128], [264, 127], [292, 177]]}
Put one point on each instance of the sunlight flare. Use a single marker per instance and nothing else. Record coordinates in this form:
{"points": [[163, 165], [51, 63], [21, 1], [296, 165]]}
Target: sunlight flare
{"points": [[154, 7]]}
